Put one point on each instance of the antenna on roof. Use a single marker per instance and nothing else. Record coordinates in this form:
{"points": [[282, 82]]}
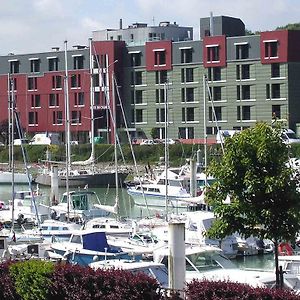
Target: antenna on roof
{"points": [[153, 20]]}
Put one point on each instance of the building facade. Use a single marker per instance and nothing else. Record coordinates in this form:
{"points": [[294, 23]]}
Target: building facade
{"points": [[225, 79]]}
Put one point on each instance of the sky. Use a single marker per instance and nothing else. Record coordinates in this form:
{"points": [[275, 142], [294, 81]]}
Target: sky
{"points": [[31, 26]]}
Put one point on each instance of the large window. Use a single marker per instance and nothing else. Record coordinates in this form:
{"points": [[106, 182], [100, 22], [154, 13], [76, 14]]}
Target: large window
{"points": [[139, 116], [242, 51], [160, 57], [187, 94], [34, 65], [275, 90], [137, 78], [56, 82], [275, 70], [218, 112], [78, 62], [135, 59], [53, 100], [32, 83], [243, 72], [14, 66], [79, 99], [213, 53], [216, 93], [57, 118], [160, 95], [33, 118], [186, 55], [35, 101], [161, 77], [187, 75], [276, 112], [136, 97], [188, 114], [160, 115], [52, 64], [271, 49], [214, 74], [244, 113], [76, 117], [186, 133], [75, 80]]}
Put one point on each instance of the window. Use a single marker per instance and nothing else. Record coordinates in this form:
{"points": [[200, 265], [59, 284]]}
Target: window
{"points": [[275, 90], [159, 57], [56, 82], [218, 112], [34, 65], [213, 53], [267, 91], [187, 75], [79, 99], [76, 117], [96, 81], [137, 78], [53, 100], [160, 115], [243, 113], [78, 62], [52, 64], [33, 118], [35, 101], [186, 55], [131, 37], [216, 93], [243, 92], [188, 114], [161, 77], [57, 118], [212, 130], [138, 115], [271, 49], [14, 66], [242, 72], [275, 70], [32, 83], [160, 96], [75, 81], [187, 95], [276, 112], [136, 97], [135, 59], [186, 132], [214, 74], [242, 51], [97, 98]]}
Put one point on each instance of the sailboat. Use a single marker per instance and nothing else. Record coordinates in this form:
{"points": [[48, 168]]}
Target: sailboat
{"points": [[85, 173], [7, 176]]}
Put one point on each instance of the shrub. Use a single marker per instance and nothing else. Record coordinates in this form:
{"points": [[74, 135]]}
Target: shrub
{"points": [[7, 287], [76, 283], [217, 290], [31, 278]]}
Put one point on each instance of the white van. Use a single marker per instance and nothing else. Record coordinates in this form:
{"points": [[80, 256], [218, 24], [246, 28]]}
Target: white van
{"points": [[223, 134], [289, 137], [45, 139]]}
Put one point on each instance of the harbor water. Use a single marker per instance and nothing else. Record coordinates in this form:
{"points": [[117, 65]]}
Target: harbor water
{"points": [[127, 209]]}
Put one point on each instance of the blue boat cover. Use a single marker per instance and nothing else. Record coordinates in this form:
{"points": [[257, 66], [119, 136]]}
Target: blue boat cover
{"points": [[95, 241]]}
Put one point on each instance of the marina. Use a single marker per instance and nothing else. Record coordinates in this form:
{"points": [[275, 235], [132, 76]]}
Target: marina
{"points": [[127, 209]]}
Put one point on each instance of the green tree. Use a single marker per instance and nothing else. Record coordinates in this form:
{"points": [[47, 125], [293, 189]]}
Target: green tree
{"points": [[264, 200]]}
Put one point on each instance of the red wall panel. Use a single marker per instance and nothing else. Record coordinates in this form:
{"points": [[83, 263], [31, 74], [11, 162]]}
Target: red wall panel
{"points": [[150, 55]]}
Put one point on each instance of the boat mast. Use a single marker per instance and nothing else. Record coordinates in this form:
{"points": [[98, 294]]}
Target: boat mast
{"points": [[11, 108], [115, 141], [166, 147], [92, 106], [204, 129], [67, 127]]}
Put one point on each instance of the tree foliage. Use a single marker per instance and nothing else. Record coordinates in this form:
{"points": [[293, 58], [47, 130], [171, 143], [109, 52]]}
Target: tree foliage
{"points": [[291, 26], [253, 172]]}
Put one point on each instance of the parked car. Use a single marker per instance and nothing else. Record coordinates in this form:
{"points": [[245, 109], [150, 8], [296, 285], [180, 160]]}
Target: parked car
{"points": [[18, 142], [149, 142], [289, 136]]}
